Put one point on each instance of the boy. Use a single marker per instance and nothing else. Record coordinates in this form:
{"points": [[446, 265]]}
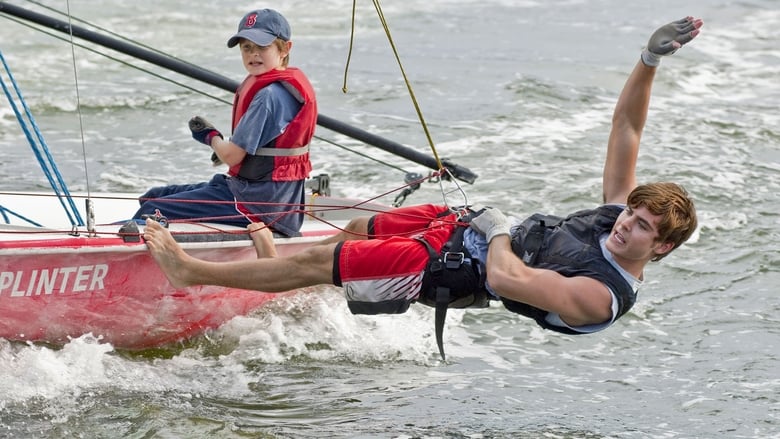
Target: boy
{"points": [[274, 117]]}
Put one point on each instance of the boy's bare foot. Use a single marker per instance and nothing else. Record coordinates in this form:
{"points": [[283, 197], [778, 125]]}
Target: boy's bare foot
{"points": [[263, 239], [167, 253]]}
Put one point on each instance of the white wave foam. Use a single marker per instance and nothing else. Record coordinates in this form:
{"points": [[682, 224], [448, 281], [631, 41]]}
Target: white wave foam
{"points": [[317, 324], [37, 371]]}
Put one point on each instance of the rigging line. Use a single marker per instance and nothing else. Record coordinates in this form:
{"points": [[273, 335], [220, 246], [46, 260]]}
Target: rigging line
{"points": [[452, 206], [344, 90], [366, 156], [78, 101], [381, 14], [464, 198], [403, 72], [351, 45], [40, 149], [4, 211]]}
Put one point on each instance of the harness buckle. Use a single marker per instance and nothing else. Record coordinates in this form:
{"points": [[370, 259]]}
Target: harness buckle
{"points": [[453, 260], [436, 267]]}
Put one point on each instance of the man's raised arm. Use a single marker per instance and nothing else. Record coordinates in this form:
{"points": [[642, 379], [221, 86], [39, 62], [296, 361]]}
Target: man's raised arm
{"points": [[628, 119]]}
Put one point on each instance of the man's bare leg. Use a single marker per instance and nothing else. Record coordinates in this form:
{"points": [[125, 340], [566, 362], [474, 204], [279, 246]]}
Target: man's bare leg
{"points": [[313, 266]]}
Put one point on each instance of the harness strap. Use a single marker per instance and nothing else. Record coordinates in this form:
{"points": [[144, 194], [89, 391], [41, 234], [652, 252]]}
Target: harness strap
{"points": [[282, 152], [442, 296], [440, 313], [451, 257]]}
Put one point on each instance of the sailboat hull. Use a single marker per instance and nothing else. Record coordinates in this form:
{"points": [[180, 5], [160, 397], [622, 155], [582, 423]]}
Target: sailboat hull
{"points": [[55, 286]]}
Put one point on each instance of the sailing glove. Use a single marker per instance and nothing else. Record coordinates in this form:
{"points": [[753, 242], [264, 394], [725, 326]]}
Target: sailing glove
{"points": [[668, 38], [491, 222], [203, 131]]}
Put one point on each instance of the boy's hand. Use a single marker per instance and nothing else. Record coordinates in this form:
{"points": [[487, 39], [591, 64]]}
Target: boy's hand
{"points": [[203, 131]]}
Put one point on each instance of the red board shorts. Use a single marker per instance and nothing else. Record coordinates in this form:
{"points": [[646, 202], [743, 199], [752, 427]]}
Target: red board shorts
{"points": [[383, 275]]}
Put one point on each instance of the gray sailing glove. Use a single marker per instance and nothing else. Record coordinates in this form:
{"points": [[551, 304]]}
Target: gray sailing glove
{"points": [[668, 38], [491, 222]]}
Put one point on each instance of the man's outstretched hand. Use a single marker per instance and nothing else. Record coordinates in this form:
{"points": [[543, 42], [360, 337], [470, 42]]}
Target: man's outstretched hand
{"points": [[670, 37]]}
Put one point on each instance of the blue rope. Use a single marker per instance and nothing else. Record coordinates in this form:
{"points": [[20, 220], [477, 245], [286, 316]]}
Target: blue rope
{"points": [[4, 211], [41, 152]]}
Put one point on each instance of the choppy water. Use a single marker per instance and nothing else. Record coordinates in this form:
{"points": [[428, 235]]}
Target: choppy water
{"points": [[520, 92]]}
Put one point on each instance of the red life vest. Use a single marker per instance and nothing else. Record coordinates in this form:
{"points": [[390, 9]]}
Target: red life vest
{"points": [[287, 156]]}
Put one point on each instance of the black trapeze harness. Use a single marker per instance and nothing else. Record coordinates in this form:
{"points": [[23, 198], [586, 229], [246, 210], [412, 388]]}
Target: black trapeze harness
{"points": [[452, 279]]}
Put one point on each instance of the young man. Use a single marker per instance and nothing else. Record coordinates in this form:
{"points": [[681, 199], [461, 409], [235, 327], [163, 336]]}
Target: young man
{"points": [[274, 118], [573, 275]]}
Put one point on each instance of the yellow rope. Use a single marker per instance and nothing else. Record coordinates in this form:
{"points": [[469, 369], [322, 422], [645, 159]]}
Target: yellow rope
{"points": [[408, 84], [443, 173], [351, 44], [385, 26]]}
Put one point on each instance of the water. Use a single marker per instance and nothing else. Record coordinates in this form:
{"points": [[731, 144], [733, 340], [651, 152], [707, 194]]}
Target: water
{"points": [[520, 92]]}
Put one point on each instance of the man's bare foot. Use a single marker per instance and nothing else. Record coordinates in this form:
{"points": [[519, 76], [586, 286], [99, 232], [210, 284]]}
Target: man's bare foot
{"points": [[263, 239], [167, 253]]}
